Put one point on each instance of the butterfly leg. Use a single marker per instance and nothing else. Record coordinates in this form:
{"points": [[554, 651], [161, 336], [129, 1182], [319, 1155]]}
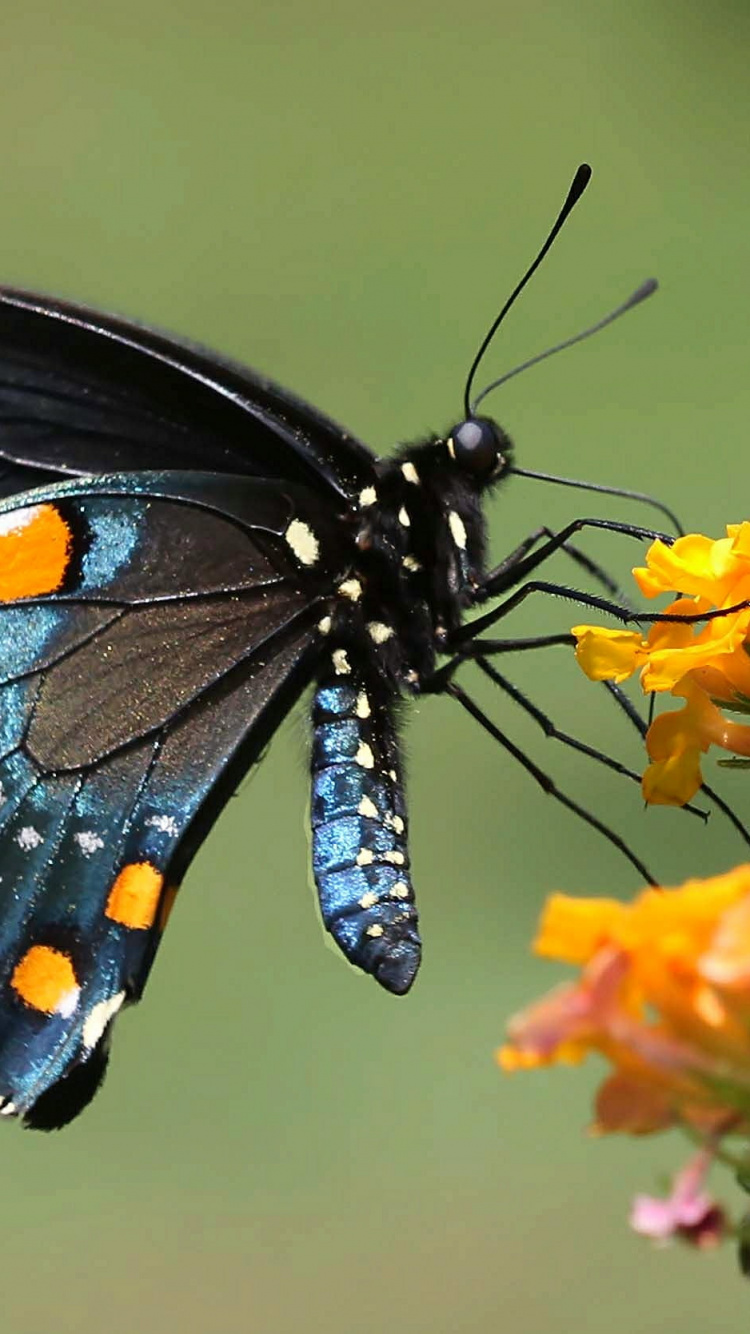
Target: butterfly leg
{"points": [[476, 649], [548, 727], [471, 629], [551, 730], [545, 782], [479, 650], [581, 559], [515, 568], [359, 837]]}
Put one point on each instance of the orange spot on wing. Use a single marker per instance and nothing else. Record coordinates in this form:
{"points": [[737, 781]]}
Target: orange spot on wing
{"points": [[134, 897], [35, 550], [45, 979]]}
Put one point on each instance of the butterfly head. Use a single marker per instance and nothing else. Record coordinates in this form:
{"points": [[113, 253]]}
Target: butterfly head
{"points": [[480, 449]]}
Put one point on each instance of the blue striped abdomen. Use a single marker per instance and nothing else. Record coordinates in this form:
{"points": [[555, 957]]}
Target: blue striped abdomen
{"points": [[360, 854]]}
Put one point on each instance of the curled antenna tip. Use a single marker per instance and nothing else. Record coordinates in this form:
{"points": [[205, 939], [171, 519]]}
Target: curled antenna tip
{"points": [[646, 289], [581, 179]]}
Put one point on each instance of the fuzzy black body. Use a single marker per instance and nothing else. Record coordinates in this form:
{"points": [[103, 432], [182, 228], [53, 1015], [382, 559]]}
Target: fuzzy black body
{"points": [[417, 556], [184, 548]]}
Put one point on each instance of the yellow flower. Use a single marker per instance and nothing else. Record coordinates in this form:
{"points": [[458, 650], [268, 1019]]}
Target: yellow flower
{"points": [[700, 567], [663, 995], [707, 665]]}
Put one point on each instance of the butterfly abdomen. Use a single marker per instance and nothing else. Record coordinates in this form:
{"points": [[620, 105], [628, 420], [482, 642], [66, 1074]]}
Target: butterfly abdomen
{"points": [[360, 855]]}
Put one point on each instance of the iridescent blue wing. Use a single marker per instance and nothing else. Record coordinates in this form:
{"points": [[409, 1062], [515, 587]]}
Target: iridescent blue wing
{"points": [[82, 392], [154, 629]]}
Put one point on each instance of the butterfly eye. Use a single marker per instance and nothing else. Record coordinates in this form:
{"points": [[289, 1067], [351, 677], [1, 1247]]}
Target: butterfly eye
{"points": [[479, 446]]}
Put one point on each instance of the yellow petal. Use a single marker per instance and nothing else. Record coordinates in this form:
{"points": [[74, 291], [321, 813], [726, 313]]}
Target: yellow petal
{"points": [[685, 566], [572, 930], [740, 535], [697, 566], [676, 648], [511, 1059], [727, 961], [609, 655], [674, 781]]}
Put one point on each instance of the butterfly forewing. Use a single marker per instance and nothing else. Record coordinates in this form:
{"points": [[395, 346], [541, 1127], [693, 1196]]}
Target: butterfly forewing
{"points": [[84, 392]]}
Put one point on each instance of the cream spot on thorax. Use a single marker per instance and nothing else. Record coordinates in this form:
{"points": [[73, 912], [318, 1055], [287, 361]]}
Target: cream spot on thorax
{"points": [[303, 542]]}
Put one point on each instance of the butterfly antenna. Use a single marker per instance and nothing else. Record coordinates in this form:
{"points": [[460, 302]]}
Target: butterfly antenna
{"points": [[641, 293], [580, 181]]}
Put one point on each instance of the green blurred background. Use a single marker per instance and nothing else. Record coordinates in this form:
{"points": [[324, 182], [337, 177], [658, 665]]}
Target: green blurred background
{"points": [[343, 196]]}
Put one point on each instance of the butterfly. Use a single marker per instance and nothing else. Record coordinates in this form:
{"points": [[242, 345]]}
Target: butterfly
{"points": [[185, 547]]}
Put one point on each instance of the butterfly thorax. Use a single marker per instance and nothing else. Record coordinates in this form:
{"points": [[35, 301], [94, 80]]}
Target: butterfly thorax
{"points": [[418, 555]]}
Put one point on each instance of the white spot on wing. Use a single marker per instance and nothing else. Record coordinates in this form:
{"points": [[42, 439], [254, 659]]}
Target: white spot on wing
{"points": [[368, 900], [28, 838], [367, 807], [410, 473], [340, 662], [379, 632], [364, 756], [362, 707], [374, 930], [351, 589], [67, 1004], [403, 518], [324, 625], [303, 542], [166, 824], [395, 858], [98, 1017], [458, 530], [365, 857], [18, 519], [8, 1109], [367, 497], [88, 842], [400, 890], [411, 563]]}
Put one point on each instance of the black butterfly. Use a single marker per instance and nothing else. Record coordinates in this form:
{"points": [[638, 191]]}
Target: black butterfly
{"points": [[200, 546]]}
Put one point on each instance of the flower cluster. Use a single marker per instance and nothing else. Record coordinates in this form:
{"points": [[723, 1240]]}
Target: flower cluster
{"points": [[664, 995], [707, 665]]}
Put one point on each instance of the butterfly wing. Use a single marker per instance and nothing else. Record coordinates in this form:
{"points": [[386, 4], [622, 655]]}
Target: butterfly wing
{"points": [[82, 392], [154, 629]]}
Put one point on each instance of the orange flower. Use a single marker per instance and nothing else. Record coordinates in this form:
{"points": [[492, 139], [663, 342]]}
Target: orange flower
{"points": [[706, 665], [663, 995]]}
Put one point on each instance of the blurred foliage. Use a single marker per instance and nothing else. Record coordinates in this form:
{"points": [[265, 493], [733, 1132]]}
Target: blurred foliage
{"points": [[343, 196]]}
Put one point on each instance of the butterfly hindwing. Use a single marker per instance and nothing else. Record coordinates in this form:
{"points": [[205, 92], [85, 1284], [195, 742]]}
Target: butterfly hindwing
{"points": [[121, 741]]}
